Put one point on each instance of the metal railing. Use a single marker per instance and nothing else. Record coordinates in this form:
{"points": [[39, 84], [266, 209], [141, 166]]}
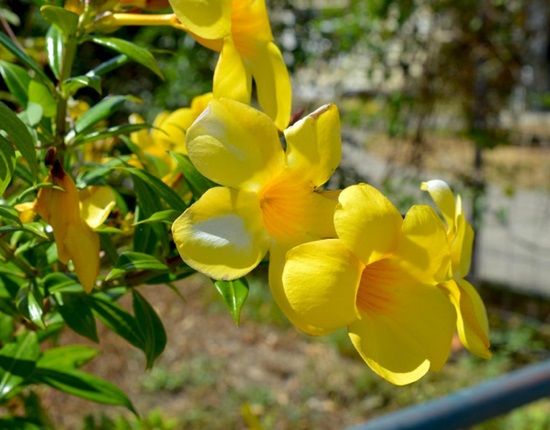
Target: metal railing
{"points": [[472, 405]]}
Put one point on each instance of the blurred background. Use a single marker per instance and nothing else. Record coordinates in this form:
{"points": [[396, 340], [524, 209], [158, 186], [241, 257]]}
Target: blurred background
{"points": [[450, 89]]}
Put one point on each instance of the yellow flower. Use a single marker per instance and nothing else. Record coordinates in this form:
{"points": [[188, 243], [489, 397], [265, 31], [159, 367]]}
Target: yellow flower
{"points": [[240, 31], [379, 278], [472, 324], [74, 238], [268, 198], [168, 132]]}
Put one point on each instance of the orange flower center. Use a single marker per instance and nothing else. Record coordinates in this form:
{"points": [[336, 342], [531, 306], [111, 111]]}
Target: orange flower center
{"points": [[374, 294]]}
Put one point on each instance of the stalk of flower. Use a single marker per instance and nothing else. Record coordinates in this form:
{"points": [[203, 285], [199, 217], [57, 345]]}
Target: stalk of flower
{"points": [[472, 324], [75, 240], [268, 198], [379, 278]]}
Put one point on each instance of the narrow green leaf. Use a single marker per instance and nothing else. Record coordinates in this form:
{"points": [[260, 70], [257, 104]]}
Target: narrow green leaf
{"points": [[167, 217], [76, 312], [23, 57], [108, 66], [197, 182], [82, 384], [134, 52], [29, 304], [62, 19], [41, 95], [150, 325], [70, 86], [104, 109], [54, 49], [167, 278], [20, 136], [117, 319], [134, 261], [147, 237], [158, 187], [61, 283], [68, 356], [116, 131], [17, 80], [234, 294], [7, 164], [9, 213], [17, 361]]}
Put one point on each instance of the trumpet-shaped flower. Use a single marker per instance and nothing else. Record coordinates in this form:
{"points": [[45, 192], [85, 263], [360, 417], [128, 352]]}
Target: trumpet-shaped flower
{"points": [[379, 278], [472, 324], [240, 31], [267, 199], [74, 238]]}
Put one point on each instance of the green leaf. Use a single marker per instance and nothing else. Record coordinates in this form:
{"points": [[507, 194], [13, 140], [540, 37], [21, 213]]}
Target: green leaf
{"points": [[62, 19], [20, 136], [61, 283], [23, 57], [7, 164], [134, 52], [158, 187], [17, 80], [7, 212], [134, 261], [117, 319], [68, 356], [70, 86], [150, 325], [17, 361], [82, 384], [54, 49], [108, 66], [167, 217], [20, 423], [167, 278], [197, 182], [234, 294], [104, 109], [29, 303], [118, 130], [41, 95], [76, 312]]}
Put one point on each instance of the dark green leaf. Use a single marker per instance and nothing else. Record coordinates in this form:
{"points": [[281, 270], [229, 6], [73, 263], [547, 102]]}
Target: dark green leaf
{"points": [[64, 20], [134, 261], [234, 294], [166, 278], [167, 217], [54, 48], [134, 52], [76, 312], [117, 319], [23, 57], [61, 283], [82, 384], [20, 423], [72, 85], [150, 325], [108, 66], [104, 109], [7, 212], [29, 303], [7, 164], [197, 183], [17, 361], [17, 80], [20, 136], [68, 356]]}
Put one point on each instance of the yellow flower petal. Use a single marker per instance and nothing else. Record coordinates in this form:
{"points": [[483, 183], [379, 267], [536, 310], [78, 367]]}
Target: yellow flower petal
{"points": [[423, 250], [82, 244], [210, 19], [222, 234], [443, 198], [314, 145], [367, 222], [199, 103], [232, 78], [407, 328], [462, 243], [472, 324], [141, 138], [95, 204], [320, 280], [272, 82], [235, 145]]}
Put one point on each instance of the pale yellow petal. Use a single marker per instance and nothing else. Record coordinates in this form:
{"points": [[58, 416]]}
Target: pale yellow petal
{"points": [[199, 103], [423, 249], [232, 77], [444, 199], [210, 19], [272, 82], [405, 328], [96, 203], [367, 222], [314, 145], [320, 280], [82, 244], [141, 138], [461, 244], [235, 145], [222, 234], [472, 324]]}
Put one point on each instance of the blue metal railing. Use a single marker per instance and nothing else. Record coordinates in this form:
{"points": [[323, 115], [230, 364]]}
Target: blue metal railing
{"points": [[472, 405]]}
